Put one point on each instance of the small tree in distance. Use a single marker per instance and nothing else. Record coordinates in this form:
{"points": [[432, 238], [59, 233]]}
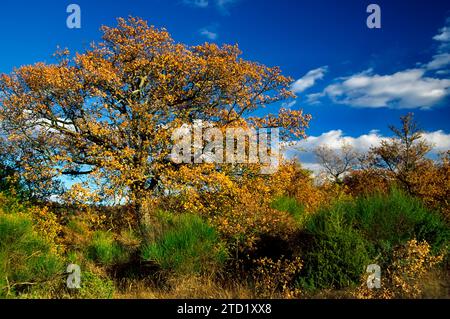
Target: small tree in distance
{"points": [[337, 163], [404, 153]]}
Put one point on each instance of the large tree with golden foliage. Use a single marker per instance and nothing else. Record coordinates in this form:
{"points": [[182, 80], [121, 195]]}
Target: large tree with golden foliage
{"points": [[107, 114]]}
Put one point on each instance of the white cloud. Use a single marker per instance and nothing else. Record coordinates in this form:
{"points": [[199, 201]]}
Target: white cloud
{"points": [[443, 37], [224, 3], [336, 138], [314, 98], [221, 5], [288, 105], [444, 34], [315, 168], [309, 79], [439, 140], [211, 35], [404, 89], [439, 61], [197, 3], [410, 88], [442, 59], [443, 72]]}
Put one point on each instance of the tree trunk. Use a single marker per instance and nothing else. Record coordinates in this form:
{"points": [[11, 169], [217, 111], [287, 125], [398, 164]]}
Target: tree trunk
{"points": [[138, 200], [139, 213]]}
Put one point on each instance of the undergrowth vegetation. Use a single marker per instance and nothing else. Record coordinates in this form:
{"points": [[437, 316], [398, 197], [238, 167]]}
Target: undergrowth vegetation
{"points": [[326, 250], [25, 258], [185, 245]]}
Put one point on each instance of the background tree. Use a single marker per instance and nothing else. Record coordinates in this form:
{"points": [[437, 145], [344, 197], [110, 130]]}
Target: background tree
{"points": [[404, 154], [337, 163], [107, 115], [431, 183]]}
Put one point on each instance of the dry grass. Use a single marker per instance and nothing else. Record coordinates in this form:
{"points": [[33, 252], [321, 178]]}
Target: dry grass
{"points": [[188, 287], [436, 284]]}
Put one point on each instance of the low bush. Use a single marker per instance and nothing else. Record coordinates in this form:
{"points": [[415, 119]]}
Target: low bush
{"points": [[349, 235], [186, 244], [10, 204], [335, 260], [393, 219], [25, 258], [105, 250], [275, 278], [291, 206], [407, 276], [94, 287]]}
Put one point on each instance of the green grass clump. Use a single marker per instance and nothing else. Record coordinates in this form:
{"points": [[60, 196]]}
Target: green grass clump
{"points": [[187, 245], [104, 250], [291, 206], [25, 258]]}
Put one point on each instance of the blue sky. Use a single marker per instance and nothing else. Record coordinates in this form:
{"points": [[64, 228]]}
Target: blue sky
{"points": [[352, 79]]}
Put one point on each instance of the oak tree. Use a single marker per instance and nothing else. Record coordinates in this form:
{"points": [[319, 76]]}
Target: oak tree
{"points": [[106, 115]]}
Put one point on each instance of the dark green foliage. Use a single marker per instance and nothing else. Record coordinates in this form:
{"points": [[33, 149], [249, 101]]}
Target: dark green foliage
{"points": [[335, 260], [388, 221], [187, 245], [349, 235]]}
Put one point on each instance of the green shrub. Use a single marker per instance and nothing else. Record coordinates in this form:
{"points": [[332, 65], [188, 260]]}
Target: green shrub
{"points": [[186, 245], [11, 204], [291, 206], [391, 220], [335, 260], [349, 235], [25, 258], [103, 249], [78, 227], [337, 254]]}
